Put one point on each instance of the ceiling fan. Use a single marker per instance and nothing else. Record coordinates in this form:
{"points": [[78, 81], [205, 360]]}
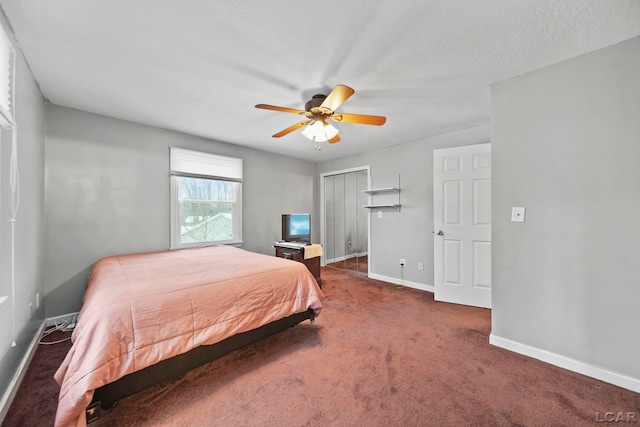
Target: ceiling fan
{"points": [[319, 110]]}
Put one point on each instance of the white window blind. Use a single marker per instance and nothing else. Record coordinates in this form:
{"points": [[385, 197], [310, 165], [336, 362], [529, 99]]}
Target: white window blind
{"points": [[206, 198], [6, 52], [197, 163]]}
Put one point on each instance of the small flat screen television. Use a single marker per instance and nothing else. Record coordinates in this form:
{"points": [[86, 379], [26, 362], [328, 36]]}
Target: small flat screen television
{"points": [[296, 228]]}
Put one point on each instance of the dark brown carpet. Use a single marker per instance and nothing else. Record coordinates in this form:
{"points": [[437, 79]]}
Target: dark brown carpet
{"points": [[378, 355]]}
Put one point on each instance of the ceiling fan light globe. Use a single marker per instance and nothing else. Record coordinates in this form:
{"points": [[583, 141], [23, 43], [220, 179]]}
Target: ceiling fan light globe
{"points": [[313, 131], [330, 130], [319, 131]]}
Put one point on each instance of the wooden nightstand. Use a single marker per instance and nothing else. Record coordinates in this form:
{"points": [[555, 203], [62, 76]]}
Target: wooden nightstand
{"points": [[297, 253]]}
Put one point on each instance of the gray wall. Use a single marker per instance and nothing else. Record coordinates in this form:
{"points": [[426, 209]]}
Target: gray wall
{"points": [[107, 192], [566, 145], [408, 233], [29, 226]]}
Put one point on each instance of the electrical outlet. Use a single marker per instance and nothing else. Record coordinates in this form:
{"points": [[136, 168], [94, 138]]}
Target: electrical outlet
{"points": [[37, 301], [402, 262], [421, 266]]}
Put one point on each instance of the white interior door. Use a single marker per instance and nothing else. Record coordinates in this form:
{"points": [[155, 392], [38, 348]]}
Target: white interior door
{"points": [[462, 225]]}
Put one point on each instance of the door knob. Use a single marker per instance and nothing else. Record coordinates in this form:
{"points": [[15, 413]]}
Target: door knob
{"points": [[440, 233]]}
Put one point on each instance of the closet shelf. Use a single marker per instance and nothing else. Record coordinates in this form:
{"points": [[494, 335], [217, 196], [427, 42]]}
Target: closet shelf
{"points": [[394, 205], [381, 190]]}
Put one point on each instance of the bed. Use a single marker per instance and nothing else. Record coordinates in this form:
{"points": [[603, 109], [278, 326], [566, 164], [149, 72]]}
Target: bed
{"points": [[150, 314]]}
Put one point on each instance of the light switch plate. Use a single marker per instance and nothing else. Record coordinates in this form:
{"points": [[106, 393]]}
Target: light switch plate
{"points": [[517, 214]]}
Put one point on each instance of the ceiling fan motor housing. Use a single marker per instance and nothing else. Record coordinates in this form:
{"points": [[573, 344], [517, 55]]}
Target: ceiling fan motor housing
{"points": [[316, 101]]}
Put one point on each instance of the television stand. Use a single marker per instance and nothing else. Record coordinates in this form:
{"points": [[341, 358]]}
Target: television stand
{"points": [[296, 252]]}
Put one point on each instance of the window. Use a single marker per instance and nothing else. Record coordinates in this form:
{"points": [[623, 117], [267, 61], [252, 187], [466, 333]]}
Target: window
{"points": [[6, 52], [8, 128], [206, 199]]}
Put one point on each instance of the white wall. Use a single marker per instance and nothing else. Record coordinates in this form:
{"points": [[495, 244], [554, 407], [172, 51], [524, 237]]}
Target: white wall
{"points": [[107, 193], [566, 145]]}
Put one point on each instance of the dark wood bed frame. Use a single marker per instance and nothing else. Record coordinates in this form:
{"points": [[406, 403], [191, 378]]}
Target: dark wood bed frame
{"points": [[108, 395]]}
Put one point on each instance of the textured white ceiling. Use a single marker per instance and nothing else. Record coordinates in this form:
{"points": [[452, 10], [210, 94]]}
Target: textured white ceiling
{"points": [[200, 66]]}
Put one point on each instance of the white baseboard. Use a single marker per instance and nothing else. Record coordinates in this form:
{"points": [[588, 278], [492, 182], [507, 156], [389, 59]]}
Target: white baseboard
{"points": [[583, 368], [407, 283], [64, 318], [343, 258], [332, 260], [11, 391]]}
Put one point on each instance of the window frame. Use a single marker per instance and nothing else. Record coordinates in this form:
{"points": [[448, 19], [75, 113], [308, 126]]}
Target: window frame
{"points": [[7, 80], [210, 167]]}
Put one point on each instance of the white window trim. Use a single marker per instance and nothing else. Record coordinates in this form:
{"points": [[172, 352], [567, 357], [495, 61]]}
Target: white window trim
{"points": [[7, 121], [197, 164], [7, 70]]}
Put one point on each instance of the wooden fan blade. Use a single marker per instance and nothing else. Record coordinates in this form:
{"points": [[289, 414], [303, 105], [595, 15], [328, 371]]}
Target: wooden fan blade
{"points": [[359, 118], [337, 96], [334, 139], [282, 109], [291, 128]]}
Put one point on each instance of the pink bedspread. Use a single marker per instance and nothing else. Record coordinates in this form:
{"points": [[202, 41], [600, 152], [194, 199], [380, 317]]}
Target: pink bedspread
{"points": [[140, 309]]}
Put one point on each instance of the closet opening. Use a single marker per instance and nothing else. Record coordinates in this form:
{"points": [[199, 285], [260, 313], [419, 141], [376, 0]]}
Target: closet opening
{"points": [[344, 221]]}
